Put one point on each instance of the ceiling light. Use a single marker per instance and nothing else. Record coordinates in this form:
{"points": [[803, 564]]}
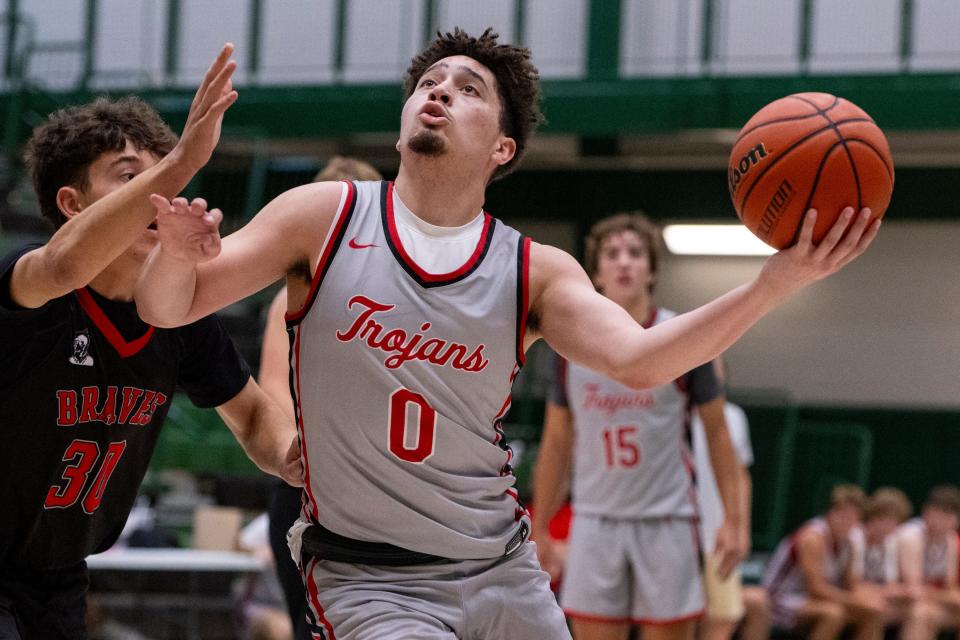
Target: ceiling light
{"points": [[713, 240]]}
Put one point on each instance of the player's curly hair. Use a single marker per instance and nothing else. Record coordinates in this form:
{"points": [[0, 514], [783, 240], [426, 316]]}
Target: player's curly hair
{"points": [[634, 221], [60, 151], [518, 82]]}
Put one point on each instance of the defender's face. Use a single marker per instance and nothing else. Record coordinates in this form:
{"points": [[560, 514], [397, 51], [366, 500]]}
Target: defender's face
{"points": [[111, 171], [623, 266], [454, 108]]}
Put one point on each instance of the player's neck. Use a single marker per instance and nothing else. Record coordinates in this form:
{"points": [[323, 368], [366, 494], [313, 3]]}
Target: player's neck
{"points": [[442, 199], [117, 281]]}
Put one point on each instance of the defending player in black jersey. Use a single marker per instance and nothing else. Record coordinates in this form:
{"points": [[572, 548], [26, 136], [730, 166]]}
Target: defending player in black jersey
{"points": [[85, 384]]}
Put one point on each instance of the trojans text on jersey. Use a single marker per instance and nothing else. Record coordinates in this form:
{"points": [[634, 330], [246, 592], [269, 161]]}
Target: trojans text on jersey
{"points": [[405, 347]]}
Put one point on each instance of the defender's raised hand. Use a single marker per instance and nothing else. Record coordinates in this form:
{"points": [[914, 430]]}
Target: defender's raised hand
{"points": [[187, 230], [214, 96]]}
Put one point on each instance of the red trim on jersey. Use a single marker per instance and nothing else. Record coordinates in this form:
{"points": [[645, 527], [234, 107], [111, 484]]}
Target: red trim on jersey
{"points": [[651, 317], [413, 266], [775, 583], [525, 302], [312, 506], [314, 599], [653, 622], [691, 489], [588, 617], [107, 328], [328, 249]]}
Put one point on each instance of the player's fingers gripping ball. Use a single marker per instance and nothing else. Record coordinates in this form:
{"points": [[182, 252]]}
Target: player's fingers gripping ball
{"points": [[807, 151]]}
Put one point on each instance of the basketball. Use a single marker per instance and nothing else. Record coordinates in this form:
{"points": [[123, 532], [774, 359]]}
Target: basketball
{"points": [[807, 151]]}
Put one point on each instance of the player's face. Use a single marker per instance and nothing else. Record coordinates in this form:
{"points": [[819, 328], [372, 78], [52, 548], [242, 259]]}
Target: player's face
{"points": [[454, 109], [879, 527], [623, 266], [939, 521], [843, 518], [111, 171]]}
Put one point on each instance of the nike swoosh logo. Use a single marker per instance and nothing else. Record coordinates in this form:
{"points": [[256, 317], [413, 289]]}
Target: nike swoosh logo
{"points": [[353, 244]]}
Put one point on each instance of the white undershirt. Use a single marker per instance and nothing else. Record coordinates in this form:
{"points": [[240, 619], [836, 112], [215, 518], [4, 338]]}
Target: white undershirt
{"points": [[436, 250]]}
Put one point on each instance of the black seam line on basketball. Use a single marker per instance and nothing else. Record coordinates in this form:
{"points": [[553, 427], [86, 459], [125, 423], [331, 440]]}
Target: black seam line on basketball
{"points": [[784, 153], [853, 165], [870, 146], [813, 188], [820, 110], [816, 113], [770, 122]]}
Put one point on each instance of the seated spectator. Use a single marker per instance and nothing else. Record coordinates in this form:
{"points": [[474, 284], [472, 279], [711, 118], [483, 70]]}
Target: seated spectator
{"points": [[886, 510], [813, 578], [927, 548]]}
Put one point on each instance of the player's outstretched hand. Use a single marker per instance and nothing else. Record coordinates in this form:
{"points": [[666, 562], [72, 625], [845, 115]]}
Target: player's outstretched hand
{"points": [[187, 230], [292, 470], [805, 262], [202, 130]]}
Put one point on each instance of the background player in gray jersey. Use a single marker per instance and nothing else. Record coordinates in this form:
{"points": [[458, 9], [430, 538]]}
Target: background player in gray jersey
{"points": [[633, 493], [471, 106]]}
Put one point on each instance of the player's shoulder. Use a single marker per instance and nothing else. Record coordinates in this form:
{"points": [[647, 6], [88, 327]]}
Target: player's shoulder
{"points": [[548, 260]]}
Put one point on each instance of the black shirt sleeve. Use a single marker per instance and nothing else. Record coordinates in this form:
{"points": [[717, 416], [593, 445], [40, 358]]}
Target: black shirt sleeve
{"points": [[212, 371], [703, 384], [10, 310], [558, 386], [26, 335]]}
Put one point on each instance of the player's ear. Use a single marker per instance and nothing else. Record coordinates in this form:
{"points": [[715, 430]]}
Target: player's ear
{"points": [[68, 201], [505, 150]]}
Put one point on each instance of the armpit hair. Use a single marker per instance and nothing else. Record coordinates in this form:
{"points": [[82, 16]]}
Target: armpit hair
{"points": [[300, 269]]}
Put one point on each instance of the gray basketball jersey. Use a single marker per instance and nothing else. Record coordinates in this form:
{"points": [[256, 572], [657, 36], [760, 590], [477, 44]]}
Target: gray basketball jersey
{"points": [[631, 458], [401, 379], [784, 578]]}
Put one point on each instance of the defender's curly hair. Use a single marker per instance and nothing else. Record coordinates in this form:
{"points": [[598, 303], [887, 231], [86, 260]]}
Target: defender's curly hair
{"points": [[60, 151], [518, 81]]}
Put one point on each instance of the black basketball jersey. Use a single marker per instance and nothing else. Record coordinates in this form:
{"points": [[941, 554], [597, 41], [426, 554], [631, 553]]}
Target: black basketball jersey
{"points": [[84, 389]]}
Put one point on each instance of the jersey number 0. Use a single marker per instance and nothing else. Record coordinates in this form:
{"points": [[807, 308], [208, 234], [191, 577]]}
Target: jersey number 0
{"points": [[397, 423]]}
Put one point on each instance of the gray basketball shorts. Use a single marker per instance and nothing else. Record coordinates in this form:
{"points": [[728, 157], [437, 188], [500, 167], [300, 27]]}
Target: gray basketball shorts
{"points": [[506, 598], [637, 571]]}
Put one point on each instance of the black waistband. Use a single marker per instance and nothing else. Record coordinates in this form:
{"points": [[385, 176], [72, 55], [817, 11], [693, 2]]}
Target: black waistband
{"points": [[324, 544]]}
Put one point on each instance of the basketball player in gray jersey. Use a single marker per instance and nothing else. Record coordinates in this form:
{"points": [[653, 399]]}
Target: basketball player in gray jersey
{"points": [[405, 343], [634, 556]]}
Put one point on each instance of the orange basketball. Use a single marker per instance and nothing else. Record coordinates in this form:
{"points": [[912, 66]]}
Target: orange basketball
{"points": [[807, 151]]}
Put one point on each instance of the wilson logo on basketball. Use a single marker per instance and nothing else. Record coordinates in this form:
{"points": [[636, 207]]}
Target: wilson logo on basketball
{"points": [[749, 160], [775, 208], [404, 347]]}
